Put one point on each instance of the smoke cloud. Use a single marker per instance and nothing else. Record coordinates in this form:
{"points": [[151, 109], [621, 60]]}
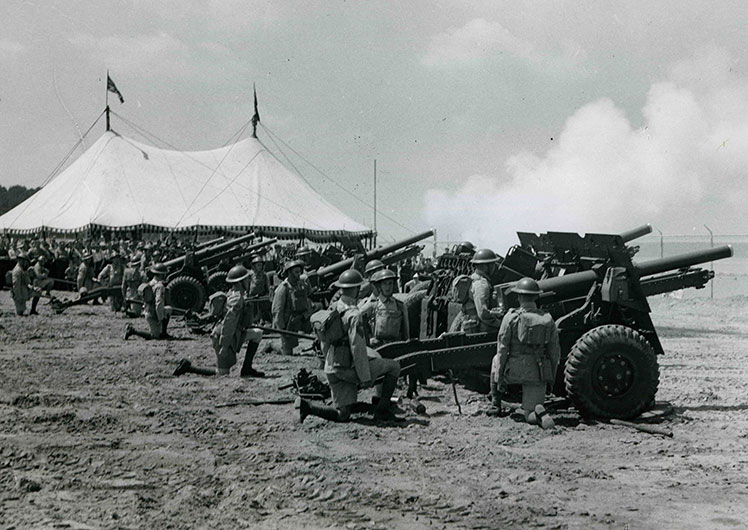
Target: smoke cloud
{"points": [[683, 167]]}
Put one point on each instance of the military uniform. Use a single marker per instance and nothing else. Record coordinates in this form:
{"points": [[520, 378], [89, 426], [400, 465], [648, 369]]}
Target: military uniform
{"points": [[388, 321], [112, 276], [131, 279], [528, 354], [42, 281], [156, 312], [259, 286], [291, 311], [351, 363], [85, 277], [229, 333], [20, 288], [476, 312]]}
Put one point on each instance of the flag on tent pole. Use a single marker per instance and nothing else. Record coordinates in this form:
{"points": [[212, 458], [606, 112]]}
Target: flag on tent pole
{"points": [[111, 87], [256, 117]]}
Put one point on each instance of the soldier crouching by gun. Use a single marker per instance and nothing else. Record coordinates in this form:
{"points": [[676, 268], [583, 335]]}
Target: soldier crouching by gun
{"points": [[528, 354], [349, 364], [157, 313], [291, 305], [230, 332]]}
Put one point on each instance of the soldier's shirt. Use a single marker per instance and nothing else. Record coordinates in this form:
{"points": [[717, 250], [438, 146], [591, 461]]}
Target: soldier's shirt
{"points": [[353, 325], [20, 284], [156, 310], [480, 301]]}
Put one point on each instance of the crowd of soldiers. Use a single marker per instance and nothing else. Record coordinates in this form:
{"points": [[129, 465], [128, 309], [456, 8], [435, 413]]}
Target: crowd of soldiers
{"points": [[369, 316]]}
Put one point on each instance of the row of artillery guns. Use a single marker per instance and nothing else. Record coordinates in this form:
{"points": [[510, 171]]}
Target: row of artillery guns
{"points": [[597, 296]]}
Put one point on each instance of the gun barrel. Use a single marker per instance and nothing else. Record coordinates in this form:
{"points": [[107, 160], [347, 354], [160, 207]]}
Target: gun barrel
{"points": [[209, 243], [635, 233], [377, 253], [235, 254], [656, 266], [209, 251]]}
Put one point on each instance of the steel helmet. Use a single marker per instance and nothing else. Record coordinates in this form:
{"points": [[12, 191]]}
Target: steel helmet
{"points": [[373, 266], [237, 274], [159, 268], [303, 251], [381, 275], [527, 286], [349, 278], [295, 263], [257, 259], [484, 255], [465, 246]]}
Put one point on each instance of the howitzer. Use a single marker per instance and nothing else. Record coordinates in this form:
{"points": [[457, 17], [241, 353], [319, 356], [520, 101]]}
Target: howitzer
{"points": [[330, 273], [609, 345], [188, 284]]}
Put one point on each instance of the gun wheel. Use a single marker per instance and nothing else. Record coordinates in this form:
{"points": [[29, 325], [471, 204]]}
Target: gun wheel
{"points": [[185, 292], [611, 372], [217, 282]]}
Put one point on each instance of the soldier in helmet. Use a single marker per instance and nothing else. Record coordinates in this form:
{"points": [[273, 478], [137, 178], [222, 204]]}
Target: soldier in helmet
{"points": [[131, 280], [231, 331], [291, 305], [466, 248], [528, 354], [389, 319], [368, 290], [85, 279], [349, 364], [259, 287], [112, 275], [304, 254], [157, 313], [477, 314], [42, 281]]}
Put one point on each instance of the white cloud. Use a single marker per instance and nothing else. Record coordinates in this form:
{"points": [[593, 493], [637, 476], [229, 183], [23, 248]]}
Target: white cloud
{"points": [[139, 53], [685, 165], [10, 49]]}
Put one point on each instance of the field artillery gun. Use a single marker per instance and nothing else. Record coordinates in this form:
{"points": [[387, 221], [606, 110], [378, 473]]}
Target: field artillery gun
{"points": [[322, 279], [188, 283], [609, 345]]}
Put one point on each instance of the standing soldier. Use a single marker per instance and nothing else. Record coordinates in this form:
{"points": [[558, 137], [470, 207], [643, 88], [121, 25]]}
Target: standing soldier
{"points": [[259, 287], [156, 311], [112, 275], [477, 315], [528, 354], [131, 280], [42, 281], [85, 280], [229, 334], [291, 305], [21, 289], [389, 319], [349, 364]]}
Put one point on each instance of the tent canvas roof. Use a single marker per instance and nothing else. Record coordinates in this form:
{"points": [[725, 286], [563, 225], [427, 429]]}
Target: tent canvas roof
{"points": [[120, 183]]}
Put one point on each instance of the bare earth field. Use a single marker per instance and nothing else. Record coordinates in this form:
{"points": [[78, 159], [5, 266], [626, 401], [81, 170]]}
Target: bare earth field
{"points": [[96, 433]]}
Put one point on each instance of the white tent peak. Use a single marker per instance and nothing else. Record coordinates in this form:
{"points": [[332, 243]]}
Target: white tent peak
{"points": [[120, 183]]}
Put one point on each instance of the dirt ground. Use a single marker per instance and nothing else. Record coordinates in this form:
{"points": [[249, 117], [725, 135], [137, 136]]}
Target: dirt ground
{"points": [[95, 432]]}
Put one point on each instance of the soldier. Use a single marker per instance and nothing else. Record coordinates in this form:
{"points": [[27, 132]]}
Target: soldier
{"points": [[390, 321], [85, 279], [131, 280], [476, 314], [304, 254], [229, 333], [157, 313], [259, 287], [21, 289], [42, 281], [528, 354], [112, 275], [349, 364], [291, 305], [368, 289], [465, 248]]}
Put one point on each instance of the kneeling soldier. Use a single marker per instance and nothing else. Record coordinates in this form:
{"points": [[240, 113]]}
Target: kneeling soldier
{"points": [[229, 334], [528, 353], [349, 364], [157, 313]]}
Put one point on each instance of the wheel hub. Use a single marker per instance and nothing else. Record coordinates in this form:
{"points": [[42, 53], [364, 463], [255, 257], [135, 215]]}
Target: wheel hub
{"points": [[613, 375]]}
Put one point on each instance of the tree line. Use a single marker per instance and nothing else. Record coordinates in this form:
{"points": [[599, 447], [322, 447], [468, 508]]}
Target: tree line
{"points": [[13, 196]]}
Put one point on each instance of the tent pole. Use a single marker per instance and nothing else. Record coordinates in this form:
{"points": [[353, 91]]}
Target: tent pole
{"points": [[375, 202], [106, 106]]}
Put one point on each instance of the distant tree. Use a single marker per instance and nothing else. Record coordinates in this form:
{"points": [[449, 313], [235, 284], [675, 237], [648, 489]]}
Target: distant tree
{"points": [[13, 196]]}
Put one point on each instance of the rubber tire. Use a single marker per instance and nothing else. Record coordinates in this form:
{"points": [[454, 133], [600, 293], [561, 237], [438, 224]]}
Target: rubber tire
{"points": [[186, 292], [217, 282], [585, 356]]}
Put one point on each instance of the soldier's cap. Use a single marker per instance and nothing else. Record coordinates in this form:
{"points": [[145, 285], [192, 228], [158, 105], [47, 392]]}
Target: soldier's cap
{"points": [[293, 264], [159, 268], [22, 256], [384, 274], [257, 259]]}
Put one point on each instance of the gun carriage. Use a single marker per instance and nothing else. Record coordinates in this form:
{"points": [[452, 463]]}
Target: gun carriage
{"points": [[598, 297]]}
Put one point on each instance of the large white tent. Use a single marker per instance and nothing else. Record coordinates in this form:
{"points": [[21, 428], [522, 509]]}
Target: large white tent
{"points": [[122, 184]]}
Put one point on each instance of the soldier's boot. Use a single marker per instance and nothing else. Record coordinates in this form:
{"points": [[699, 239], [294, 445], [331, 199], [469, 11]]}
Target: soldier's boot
{"points": [[306, 408], [495, 409], [384, 407], [247, 370], [412, 386], [128, 331], [164, 325], [540, 418], [185, 367]]}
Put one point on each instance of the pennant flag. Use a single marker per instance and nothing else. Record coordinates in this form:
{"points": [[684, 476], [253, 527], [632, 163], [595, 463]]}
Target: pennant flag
{"points": [[111, 87], [256, 117]]}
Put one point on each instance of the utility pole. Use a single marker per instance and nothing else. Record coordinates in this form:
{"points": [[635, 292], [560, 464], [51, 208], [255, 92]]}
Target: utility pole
{"points": [[711, 244], [662, 244], [375, 203]]}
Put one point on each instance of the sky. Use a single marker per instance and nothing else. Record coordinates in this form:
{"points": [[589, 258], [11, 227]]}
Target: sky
{"points": [[484, 117]]}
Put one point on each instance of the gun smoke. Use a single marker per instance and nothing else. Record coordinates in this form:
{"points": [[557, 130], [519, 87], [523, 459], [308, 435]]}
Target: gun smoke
{"points": [[682, 167]]}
